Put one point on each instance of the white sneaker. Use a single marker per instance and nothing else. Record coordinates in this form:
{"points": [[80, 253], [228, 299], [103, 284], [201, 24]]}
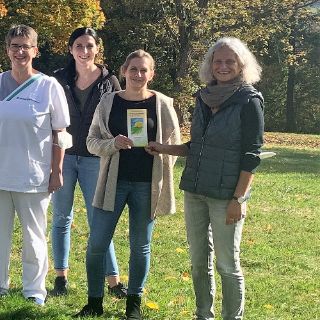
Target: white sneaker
{"points": [[3, 292], [36, 300]]}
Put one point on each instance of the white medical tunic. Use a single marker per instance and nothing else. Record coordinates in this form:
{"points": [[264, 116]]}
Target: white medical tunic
{"points": [[26, 124]]}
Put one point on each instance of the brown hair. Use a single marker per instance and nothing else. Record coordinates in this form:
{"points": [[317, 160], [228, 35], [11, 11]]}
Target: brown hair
{"points": [[137, 54]]}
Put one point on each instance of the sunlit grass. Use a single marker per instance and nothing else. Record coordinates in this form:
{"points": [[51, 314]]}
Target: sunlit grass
{"points": [[280, 252]]}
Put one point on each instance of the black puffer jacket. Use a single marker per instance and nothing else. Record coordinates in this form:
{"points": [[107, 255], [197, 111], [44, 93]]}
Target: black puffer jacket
{"points": [[80, 121]]}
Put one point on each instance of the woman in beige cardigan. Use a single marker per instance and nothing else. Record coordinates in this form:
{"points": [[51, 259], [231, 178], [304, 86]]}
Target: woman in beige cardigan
{"points": [[129, 176]]}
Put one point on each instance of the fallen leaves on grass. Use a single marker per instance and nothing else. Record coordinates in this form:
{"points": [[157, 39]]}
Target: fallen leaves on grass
{"points": [[184, 312], [292, 139], [156, 235], [269, 228], [250, 242], [179, 300], [277, 138], [124, 278], [185, 276], [152, 305]]}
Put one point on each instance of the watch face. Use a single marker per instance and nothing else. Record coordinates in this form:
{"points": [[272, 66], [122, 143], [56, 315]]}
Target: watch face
{"points": [[241, 200]]}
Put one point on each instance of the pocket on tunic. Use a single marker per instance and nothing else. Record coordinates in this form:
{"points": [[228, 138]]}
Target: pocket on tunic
{"points": [[39, 172]]}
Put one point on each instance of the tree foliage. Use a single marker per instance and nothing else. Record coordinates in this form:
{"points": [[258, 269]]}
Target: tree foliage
{"points": [[54, 20], [3, 9], [284, 35]]}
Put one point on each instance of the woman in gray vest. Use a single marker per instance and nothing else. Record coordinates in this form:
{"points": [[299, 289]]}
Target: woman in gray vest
{"points": [[222, 156]]}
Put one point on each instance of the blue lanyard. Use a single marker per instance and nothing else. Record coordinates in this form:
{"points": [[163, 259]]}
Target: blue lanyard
{"points": [[22, 86]]}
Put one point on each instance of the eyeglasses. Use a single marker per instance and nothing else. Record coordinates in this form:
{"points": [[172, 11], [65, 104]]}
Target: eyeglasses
{"points": [[17, 47]]}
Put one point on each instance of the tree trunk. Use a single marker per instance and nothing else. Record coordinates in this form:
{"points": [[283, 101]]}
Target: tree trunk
{"points": [[184, 57], [291, 123]]}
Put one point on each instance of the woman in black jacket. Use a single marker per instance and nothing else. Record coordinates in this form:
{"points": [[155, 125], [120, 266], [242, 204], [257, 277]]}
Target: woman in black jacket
{"points": [[84, 83]]}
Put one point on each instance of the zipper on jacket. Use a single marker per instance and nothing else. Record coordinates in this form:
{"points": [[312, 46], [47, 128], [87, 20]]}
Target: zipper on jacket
{"points": [[75, 107], [201, 150]]}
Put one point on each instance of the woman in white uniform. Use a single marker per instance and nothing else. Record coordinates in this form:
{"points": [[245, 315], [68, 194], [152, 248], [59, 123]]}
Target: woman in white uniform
{"points": [[33, 110]]}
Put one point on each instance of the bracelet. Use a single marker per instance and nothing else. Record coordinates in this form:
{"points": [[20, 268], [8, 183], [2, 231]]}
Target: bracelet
{"points": [[56, 144]]}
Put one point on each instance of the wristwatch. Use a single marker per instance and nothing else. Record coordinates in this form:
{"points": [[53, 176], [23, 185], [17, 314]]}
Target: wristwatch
{"points": [[240, 200]]}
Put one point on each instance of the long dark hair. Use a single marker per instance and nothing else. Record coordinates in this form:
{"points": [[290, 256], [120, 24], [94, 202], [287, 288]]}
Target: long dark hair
{"points": [[71, 67]]}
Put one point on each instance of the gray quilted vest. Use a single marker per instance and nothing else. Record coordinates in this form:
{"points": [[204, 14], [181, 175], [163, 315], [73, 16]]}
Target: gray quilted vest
{"points": [[213, 162]]}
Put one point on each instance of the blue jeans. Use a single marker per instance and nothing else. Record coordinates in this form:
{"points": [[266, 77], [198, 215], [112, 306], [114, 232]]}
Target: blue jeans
{"points": [[85, 170], [137, 195], [208, 234]]}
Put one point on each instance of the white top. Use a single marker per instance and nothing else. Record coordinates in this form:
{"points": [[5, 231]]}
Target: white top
{"points": [[26, 124]]}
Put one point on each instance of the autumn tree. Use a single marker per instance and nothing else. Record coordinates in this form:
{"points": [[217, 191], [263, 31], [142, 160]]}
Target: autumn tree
{"points": [[284, 35], [291, 52], [178, 33], [3, 9], [54, 20], [302, 20]]}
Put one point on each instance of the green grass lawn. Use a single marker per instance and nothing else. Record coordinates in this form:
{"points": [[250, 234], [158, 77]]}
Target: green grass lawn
{"points": [[280, 251]]}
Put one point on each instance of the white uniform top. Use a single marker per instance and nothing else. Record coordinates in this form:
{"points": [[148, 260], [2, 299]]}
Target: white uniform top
{"points": [[26, 124]]}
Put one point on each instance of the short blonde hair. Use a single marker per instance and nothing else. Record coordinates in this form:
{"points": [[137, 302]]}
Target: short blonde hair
{"points": [[137, 54], [24, 31], [251, 70]]}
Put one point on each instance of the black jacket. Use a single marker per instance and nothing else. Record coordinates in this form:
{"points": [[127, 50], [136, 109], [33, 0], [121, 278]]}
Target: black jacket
{"points": [[80, 121]]}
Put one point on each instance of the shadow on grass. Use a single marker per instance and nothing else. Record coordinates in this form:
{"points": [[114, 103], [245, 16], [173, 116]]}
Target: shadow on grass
{"points": [[38, 313], [24, 313], [180, 163]]}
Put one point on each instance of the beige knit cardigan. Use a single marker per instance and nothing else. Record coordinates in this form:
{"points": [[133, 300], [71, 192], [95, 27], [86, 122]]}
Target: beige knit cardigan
{"points": [[101, 143]]}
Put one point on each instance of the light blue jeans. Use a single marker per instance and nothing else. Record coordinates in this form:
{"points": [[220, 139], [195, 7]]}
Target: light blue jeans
{"points": [[208, 234], [84, 170], [137, 195]]}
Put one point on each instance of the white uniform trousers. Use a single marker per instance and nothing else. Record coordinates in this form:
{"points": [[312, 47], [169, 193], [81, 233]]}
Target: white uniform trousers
{"points": [[31, 209]]}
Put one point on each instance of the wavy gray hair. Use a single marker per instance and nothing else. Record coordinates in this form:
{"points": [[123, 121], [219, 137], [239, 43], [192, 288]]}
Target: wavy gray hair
{"points": [[251, 70]]}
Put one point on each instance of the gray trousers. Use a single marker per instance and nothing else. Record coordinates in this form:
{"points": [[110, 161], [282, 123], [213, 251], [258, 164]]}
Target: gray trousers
{"points": [[208, 236]]}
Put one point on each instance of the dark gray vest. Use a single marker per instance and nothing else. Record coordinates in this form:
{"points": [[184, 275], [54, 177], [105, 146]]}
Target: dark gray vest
{"points": [[213, 162]]}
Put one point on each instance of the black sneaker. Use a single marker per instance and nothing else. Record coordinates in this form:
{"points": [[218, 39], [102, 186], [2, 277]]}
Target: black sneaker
{"points": [[88, 311], [94, 308], [60, 287], [133, 306], [120, 291]]}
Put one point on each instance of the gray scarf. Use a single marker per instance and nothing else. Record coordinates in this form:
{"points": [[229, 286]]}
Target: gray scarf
{"points": [[213, 95]]}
